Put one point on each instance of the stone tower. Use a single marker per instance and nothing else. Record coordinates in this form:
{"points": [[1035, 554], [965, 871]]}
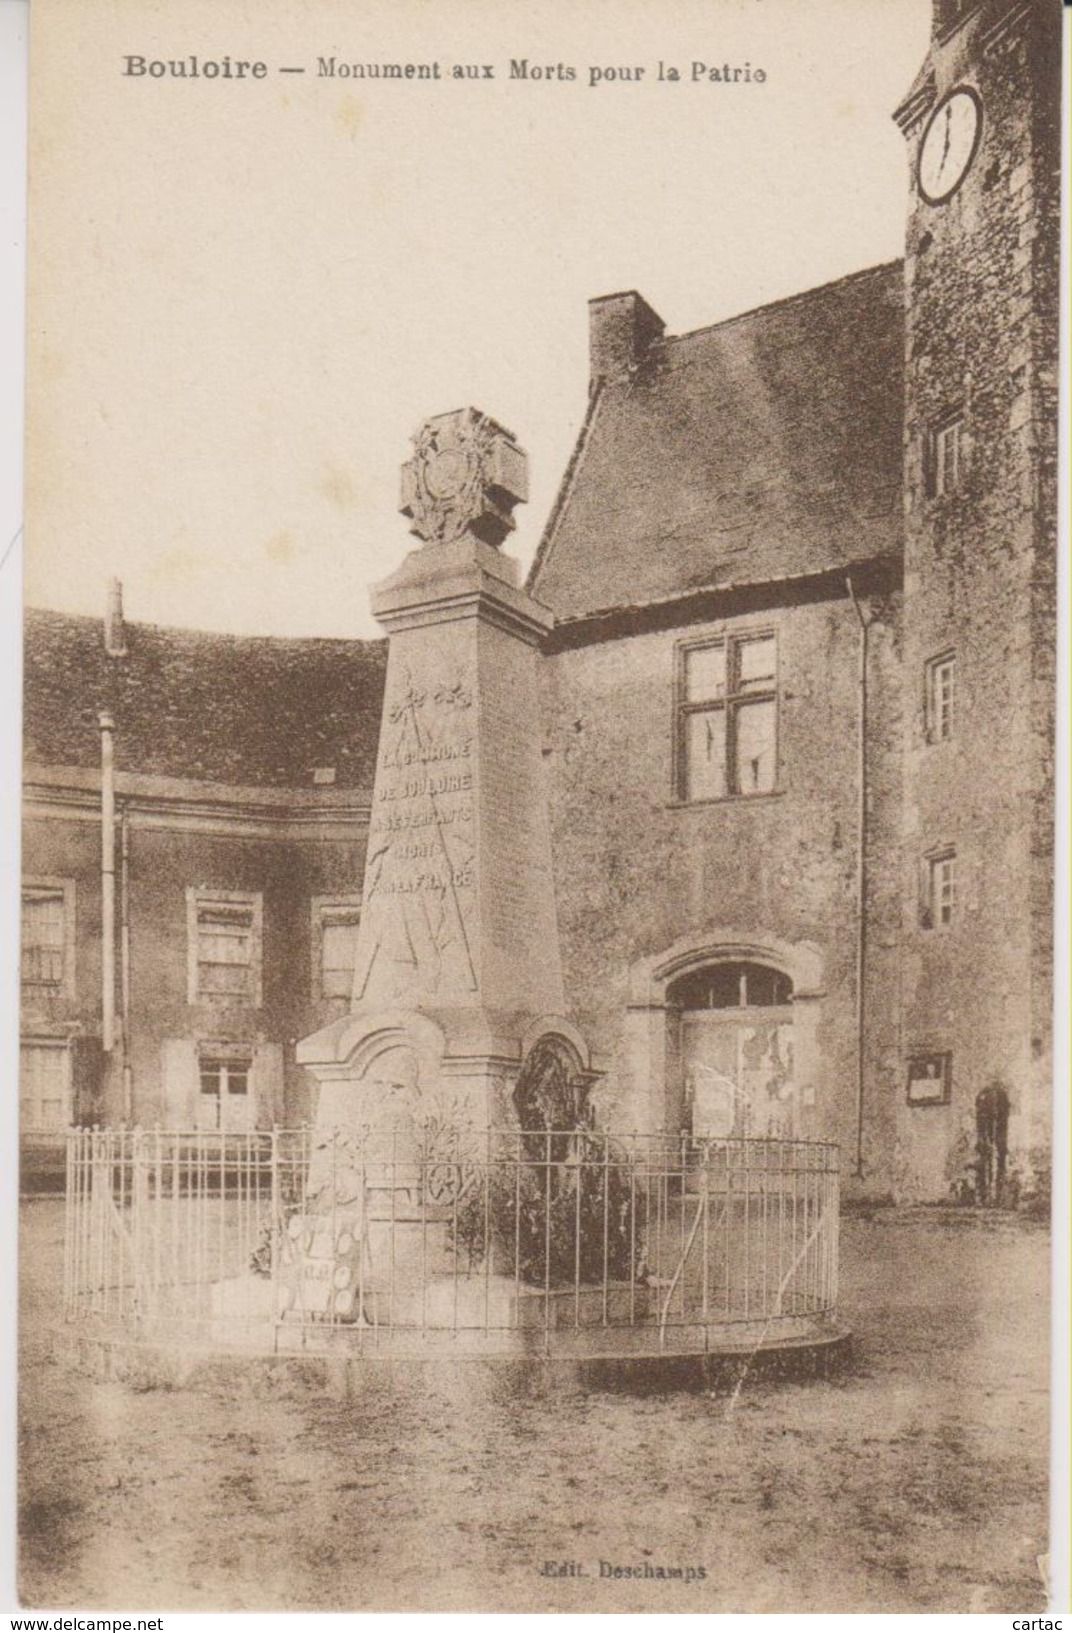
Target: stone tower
{"points": [[981, 125]]}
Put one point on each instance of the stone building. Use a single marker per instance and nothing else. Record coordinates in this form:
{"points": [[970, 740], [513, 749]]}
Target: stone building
{"points": [[797, 717], [242, 778], [800, 688], [731, 524]]}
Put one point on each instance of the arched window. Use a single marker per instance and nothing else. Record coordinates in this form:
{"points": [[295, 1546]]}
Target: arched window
{"points": [[740, 984]]}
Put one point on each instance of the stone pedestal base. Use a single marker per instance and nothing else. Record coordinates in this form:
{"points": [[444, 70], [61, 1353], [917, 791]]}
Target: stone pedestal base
{"points": [[408, 1102], [385, 1073]]}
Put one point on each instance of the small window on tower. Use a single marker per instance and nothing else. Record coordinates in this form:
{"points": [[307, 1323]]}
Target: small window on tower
{"points": [[946, 457], [940, 703], [939, 890]]}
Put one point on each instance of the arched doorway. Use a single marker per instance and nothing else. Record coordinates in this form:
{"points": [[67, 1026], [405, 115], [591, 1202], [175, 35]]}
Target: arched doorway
{"points": [[735, 1019]]}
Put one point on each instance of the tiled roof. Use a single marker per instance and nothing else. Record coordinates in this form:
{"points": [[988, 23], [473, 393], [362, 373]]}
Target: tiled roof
{"points": [[220, 708], [761, 448]]}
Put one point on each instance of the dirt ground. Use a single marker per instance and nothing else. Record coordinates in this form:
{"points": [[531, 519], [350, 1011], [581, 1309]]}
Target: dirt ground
{"points": [[917, 1481]]}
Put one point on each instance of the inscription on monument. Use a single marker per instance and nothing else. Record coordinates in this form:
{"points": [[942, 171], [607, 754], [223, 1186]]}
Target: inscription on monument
{"points": [[422, 843], [519, 878]]}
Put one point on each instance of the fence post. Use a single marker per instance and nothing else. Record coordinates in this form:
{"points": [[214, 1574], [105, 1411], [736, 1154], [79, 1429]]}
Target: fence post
{"points": [[68, 1218], [276, 1212]]}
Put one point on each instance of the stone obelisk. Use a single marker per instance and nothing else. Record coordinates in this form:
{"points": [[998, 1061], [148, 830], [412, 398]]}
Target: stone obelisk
{"points": [[457, 967]]}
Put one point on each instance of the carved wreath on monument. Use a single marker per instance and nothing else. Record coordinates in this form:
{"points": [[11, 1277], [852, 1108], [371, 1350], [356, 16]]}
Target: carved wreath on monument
{"points": [[466, 475]]}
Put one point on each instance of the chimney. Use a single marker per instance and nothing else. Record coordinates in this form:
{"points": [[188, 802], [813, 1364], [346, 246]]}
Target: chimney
{"points": [[114, 634], [621, 331]]}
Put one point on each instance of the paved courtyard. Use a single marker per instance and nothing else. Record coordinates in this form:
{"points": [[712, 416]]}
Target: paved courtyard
{"points": [[917, 1481]]}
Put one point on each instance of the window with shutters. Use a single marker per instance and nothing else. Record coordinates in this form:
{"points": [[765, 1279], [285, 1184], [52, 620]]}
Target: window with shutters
{"points": [[47, 965], [334, 943], [44, 1085], [224, 946], [727, 717]]}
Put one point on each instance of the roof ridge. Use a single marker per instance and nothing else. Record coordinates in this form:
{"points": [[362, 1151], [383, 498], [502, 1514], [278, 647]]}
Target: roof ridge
{"points": [[783, 301], [784, 422], [547, 538], [62, 615]]}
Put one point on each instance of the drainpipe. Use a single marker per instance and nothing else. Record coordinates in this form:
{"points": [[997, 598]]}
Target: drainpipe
{"points": [[107, 727], [124, 960], [861, 878]]}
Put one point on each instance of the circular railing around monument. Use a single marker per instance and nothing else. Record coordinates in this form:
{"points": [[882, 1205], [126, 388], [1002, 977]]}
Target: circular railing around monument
{"points": [[560, 1242]]}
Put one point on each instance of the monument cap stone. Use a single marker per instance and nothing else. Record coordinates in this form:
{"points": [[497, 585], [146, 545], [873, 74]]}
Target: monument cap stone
{"points": [[466, 475]]}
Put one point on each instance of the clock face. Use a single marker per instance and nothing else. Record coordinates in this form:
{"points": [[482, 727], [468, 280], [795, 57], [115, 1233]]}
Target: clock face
{"points": [[949, 144]]}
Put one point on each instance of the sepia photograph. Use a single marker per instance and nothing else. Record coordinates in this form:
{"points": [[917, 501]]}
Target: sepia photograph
{"points": [[536, 1049]]}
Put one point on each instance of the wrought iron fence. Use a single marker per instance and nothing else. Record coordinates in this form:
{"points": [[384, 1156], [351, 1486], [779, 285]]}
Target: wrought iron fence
{"points": [[298, 1238]]}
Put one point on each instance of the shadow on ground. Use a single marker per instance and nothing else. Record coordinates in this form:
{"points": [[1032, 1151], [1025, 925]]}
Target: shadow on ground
{"points": [[917, 1481]]}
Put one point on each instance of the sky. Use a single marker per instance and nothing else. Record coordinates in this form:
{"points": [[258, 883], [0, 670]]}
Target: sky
{"points": [[245, 296]]}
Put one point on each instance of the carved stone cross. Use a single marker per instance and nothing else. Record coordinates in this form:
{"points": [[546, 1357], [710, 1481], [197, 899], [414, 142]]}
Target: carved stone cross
{"points": [[466, 475]]}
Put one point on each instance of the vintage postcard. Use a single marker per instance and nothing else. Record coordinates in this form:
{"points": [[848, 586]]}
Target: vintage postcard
{"points": [[537, 932]]}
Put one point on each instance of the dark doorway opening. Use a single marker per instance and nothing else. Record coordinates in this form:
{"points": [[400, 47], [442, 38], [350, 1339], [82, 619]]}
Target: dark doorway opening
{"points": [[991, 1144]]}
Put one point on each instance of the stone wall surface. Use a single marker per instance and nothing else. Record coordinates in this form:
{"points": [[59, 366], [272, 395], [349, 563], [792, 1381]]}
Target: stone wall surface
{"points": [[70, 851], [638, 872], [165, 1026], [981, 315]]}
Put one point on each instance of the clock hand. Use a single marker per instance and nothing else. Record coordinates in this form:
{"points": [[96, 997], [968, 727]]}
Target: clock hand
{"points": [[945, 149]]}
